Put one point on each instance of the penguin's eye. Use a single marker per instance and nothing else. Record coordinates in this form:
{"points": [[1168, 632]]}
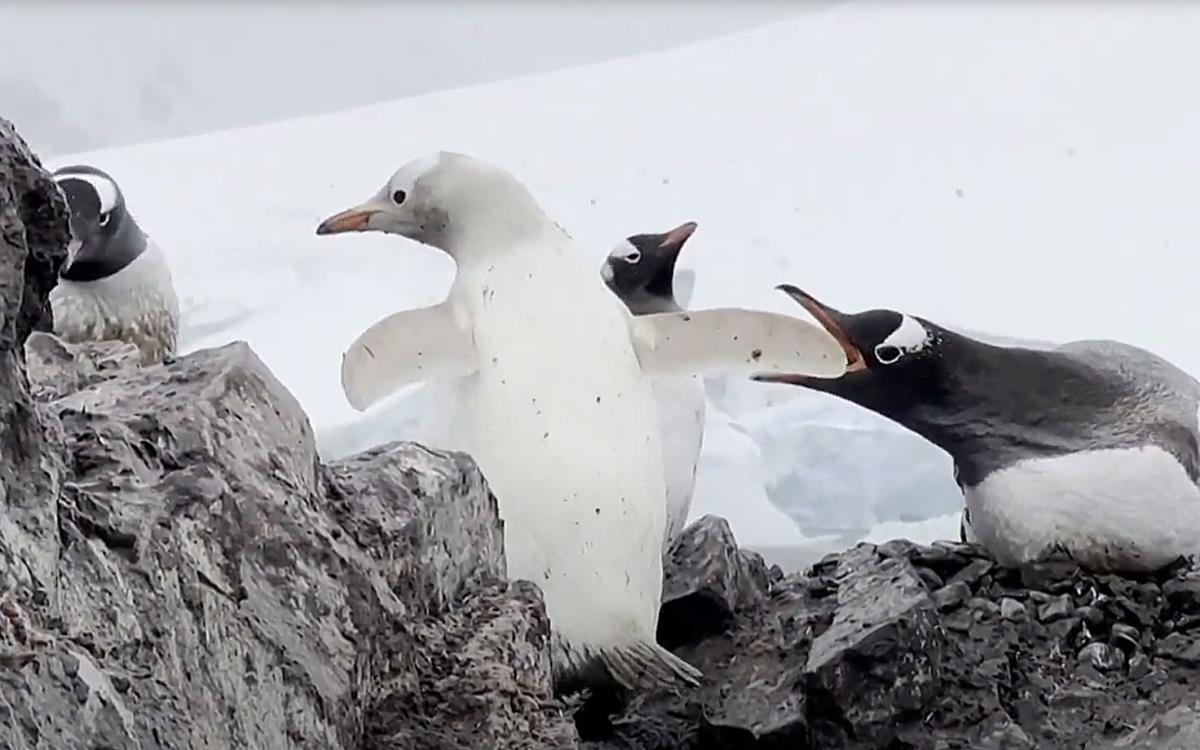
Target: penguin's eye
{"points": [[887, 354], [104, 219], [399, 197], [633, 256]]}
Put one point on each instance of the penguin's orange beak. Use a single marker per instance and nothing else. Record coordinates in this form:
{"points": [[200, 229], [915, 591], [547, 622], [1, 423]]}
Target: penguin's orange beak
{"points": [[828, 318], [351, 220], [676, 237]]}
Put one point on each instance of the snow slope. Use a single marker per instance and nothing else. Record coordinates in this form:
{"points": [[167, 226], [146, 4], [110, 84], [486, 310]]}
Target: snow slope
{"points": [[1028, 170]]}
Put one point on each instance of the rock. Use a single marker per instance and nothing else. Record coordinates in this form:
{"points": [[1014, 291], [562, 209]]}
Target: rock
{"points": [[951, 596], [1184, 593], [1103, 657], [58, 369], [855, 653], [1139, 666], [971, 574], [1011, 609], [1181, 648], [1125, 637], [706, 581], [498, 636], [878, 658], [34, 234], [1056, 610], [1176, 729]]}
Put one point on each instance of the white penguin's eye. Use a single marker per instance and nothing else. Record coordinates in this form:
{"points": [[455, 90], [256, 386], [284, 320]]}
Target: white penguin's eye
{"points": [[633, 256], [104, 219], [399, 196], [887, 354]]}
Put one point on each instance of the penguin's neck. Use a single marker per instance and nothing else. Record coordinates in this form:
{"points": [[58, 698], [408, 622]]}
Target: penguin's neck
{"points": [[641, 302], [1004, 403]]}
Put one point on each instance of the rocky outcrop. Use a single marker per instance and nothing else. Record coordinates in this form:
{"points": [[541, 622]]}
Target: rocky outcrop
{"points": [[178, 570], [906, 646]]}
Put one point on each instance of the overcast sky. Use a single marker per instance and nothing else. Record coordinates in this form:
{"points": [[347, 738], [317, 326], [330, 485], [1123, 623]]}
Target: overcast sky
{"points": [[85, 75]]}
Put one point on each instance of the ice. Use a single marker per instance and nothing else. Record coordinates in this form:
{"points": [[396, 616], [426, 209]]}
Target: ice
{"points": [[1026, 170]]}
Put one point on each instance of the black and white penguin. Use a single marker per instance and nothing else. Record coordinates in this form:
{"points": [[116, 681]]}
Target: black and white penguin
{"points": [[116, 284], [640, 270], [1086, 451]]}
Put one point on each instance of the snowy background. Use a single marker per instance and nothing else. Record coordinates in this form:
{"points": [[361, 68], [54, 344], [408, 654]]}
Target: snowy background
{"points": [[1030, 171]]}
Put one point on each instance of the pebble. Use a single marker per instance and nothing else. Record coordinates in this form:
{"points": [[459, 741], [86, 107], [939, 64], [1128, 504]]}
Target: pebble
{"points": [[973, 572], [1103, 657], [932, 580], [951, 596], [1139, 666], [984, 605], [1011, 609], [1091, 615], [1056, 609], [1124, 637], [1180, 648]]}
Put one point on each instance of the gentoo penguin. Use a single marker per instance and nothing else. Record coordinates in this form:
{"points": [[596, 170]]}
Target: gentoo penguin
{"points": [[553, 400], [641, 272], [1086, 451], [115, 284]]}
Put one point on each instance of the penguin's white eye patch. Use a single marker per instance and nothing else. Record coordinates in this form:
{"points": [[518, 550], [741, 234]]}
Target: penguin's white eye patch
{"points": [[888, 354], [633, 256], [910, 336], [104, 219]]}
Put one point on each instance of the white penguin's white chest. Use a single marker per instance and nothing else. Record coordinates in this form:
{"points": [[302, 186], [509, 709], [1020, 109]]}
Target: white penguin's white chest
{"points": [[564, 427], [1111, 509]]}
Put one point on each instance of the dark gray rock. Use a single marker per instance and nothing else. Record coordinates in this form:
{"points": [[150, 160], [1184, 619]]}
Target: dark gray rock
{"points": [[1102, 657], [878, 659], [856, 654], [1056, 609], [1011, 609], [1176, 729], [33, 241], [707, 580]]}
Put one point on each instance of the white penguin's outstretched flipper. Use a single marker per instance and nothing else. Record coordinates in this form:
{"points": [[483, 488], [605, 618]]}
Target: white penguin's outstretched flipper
{"points": [[403, 348], [641, 665], [736, 341]]}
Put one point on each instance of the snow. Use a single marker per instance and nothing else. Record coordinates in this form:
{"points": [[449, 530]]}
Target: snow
{"points": [[1025, 170]]}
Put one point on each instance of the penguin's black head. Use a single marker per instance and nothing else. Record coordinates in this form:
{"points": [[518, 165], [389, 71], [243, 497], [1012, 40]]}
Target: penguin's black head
{"points": [[641, 269], [892, 359], [106, 237]]}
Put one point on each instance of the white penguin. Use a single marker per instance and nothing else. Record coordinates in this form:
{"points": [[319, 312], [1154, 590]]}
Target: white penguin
{"points": [[640, 270], [554, 400], [115, 285]]}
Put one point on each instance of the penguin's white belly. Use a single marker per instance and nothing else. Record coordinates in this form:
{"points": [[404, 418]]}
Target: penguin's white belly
{"points": [[564, 427], [681, 407], [1114, 509], [136, 305]]}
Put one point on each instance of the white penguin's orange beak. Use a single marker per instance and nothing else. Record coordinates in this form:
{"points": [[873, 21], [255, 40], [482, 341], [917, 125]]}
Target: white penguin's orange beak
{"points": [[354, 219]]}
